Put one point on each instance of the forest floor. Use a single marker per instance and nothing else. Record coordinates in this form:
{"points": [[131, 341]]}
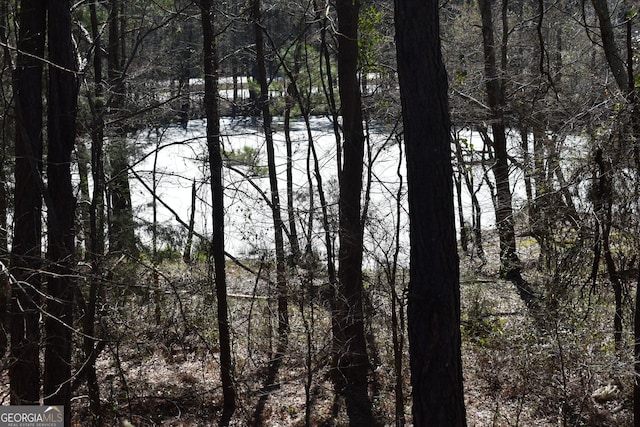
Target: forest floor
{"points": [[161, 368]]}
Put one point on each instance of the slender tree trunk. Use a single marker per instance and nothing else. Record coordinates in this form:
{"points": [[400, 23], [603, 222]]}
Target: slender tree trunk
{"points": [[476, 212], [635, 129], [462, 172], [625, 79], [349, 344], [292, 91], [155, 259], [62, 101], [610, 46], [397, 305], [263, 104], [5, 135], [464, 236], [121, 226], [83, 232], [192, 219], [527, 171], [603, 203], [234, 73], [96, 226], [24, 373], [510, 266], [185, 76], [540, 224], [217, 191], [328, 80], [434, 290], [4, 238]]}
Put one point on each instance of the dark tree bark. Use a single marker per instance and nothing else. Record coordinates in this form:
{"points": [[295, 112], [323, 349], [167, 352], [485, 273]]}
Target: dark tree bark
{"points": [[217, 191], [625, 79], [186, 256], [83, 229], [24, 372], [610, 46], [349, 344], [540, 224], [476, 212], [291, 97], [121, 224], [62, 101], [6, 134], [278, 225], [263, 104], [603, 204], [510, 266], [397, 305], [327, 78], [434, 294], [97, 217], [95, 252]]}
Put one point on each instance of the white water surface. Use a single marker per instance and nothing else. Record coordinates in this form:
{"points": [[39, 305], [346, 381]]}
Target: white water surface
{"points": [[182, 158]]}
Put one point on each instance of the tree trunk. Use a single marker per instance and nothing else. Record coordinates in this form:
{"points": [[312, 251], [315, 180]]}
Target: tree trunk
{"points": [[434, 293], [24, 373], [510, 266], [83, 240], [625, 80], [217, 191], [97, 221], [611, 50], [5, 124], [263, 105], [602, 205], [62, 101], [328, 80], [186, 256], [349, 345], [121, 225], [540, 226], [397, 305], [292, 94], [476, 212]]}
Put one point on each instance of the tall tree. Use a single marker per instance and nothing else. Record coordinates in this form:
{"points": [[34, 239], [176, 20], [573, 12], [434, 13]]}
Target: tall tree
{"points": [[349, 344], [24, 372], [6, 134], [96, 247], [610, 46], [263, 106], [278, 225], [217, 194], [6, 66], [121, 226], [434, 290], [510, 265], [61, 123], [626, 82]]}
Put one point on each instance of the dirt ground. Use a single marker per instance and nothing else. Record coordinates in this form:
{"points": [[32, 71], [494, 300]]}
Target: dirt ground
{"points": [[160, 366]]}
